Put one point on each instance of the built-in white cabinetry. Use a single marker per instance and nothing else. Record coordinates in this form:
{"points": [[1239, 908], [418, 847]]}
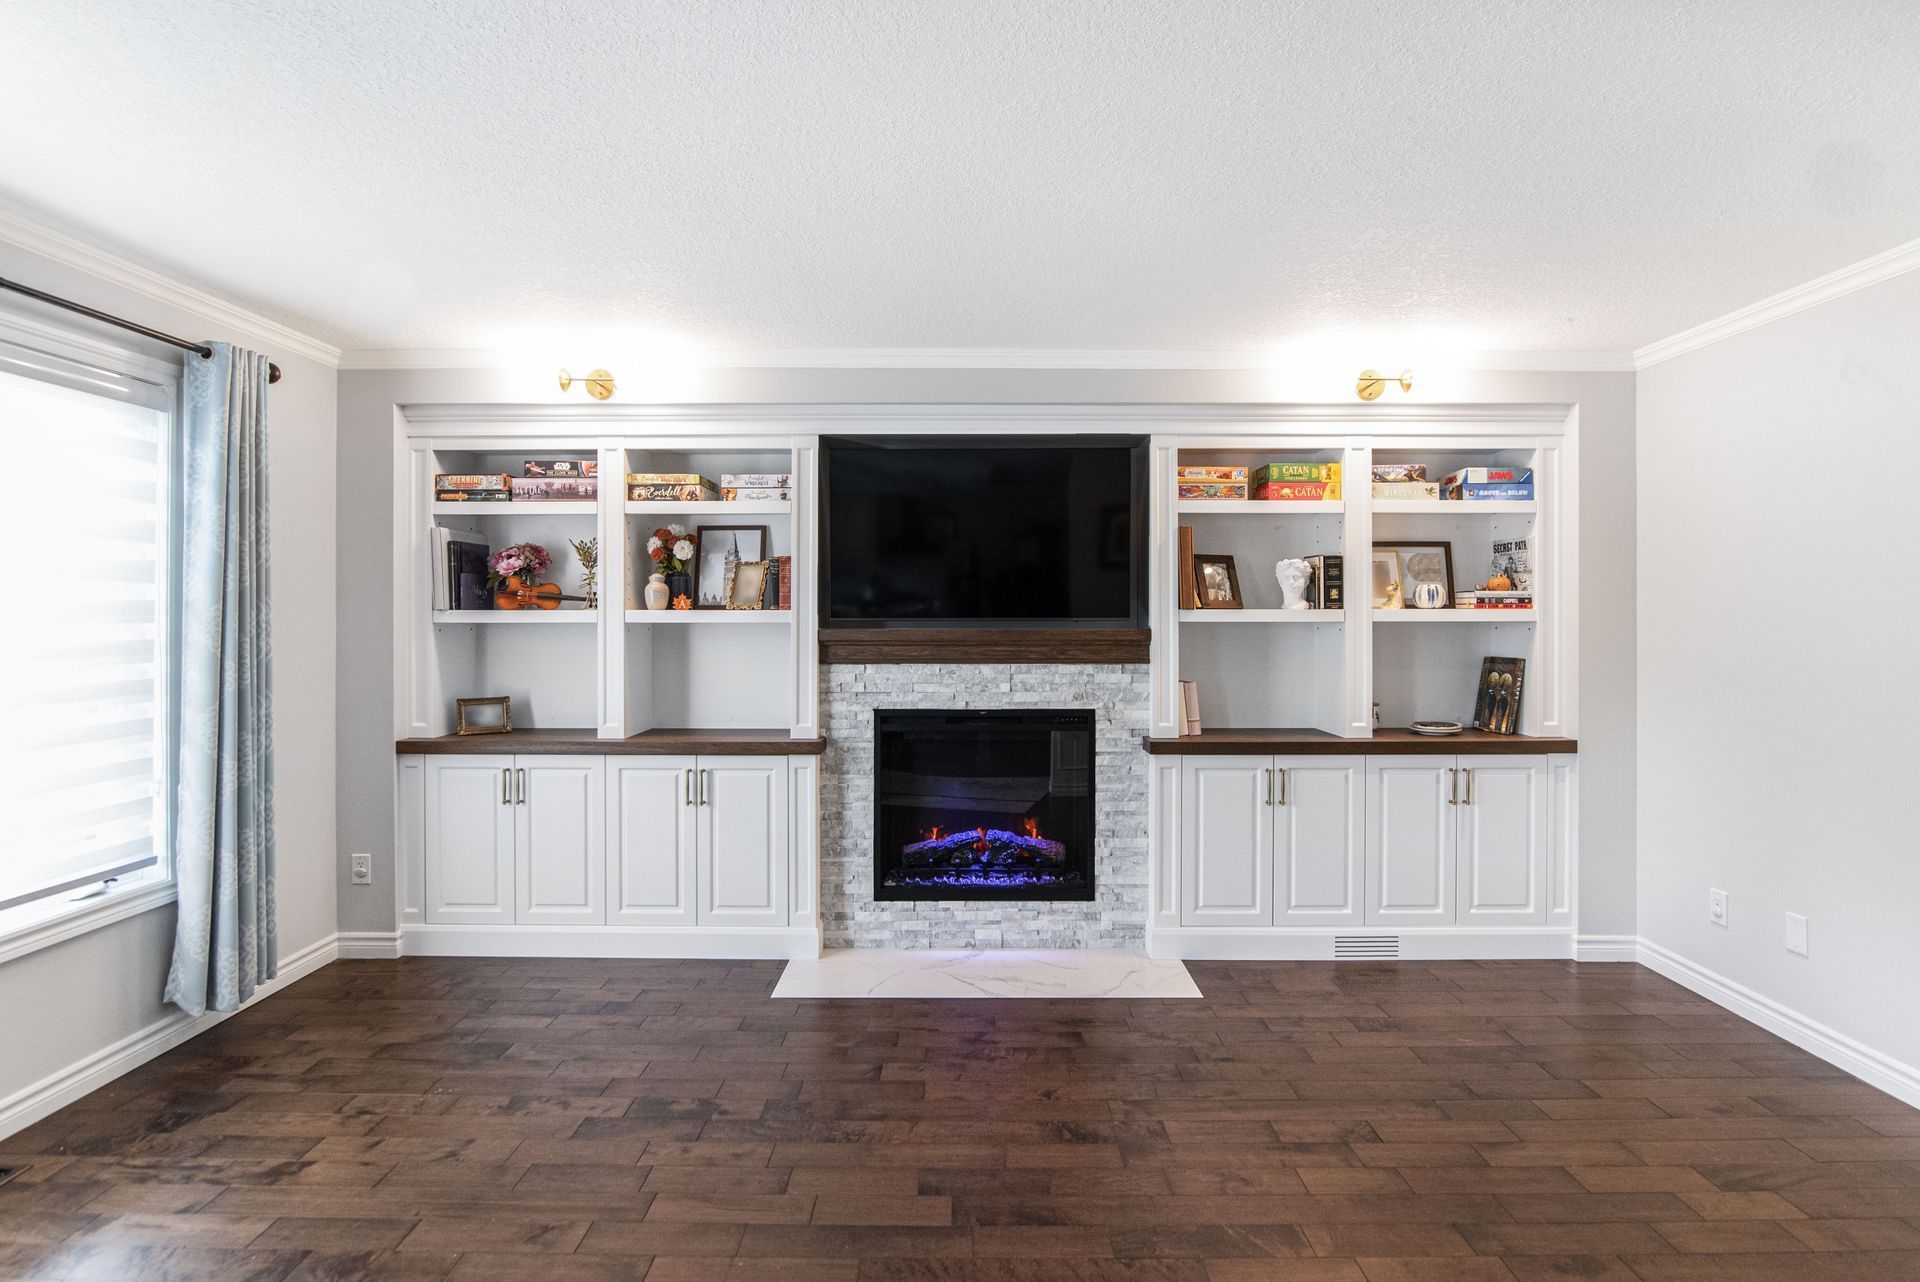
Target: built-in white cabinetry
{"points": [[1271, 840], [1387, 845], [641, 846]]}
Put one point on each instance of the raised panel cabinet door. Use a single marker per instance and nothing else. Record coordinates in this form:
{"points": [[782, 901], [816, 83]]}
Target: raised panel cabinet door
{"points": [[1319, 841], [651, 835], [741, 867], [1410, 841], [561, 840], [467, 837], [1226, 841], [1503, 818]]}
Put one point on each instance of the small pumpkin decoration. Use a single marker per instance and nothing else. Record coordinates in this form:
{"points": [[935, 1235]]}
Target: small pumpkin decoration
{"points": [[1499, 583]]}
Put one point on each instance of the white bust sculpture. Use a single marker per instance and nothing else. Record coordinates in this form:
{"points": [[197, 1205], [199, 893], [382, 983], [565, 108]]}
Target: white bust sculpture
{"points": [[1294, 575]]}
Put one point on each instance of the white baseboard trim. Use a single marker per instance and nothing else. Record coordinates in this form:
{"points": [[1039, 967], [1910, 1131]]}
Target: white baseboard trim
{"points": [[58, 1089], [1295, 943], [369, 945], [1900, 1080], [1606, 948], [740, 943]]}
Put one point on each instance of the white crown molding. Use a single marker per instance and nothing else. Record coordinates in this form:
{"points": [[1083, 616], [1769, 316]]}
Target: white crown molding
{"points": [[1897, 261], [974, 358], [37, 238]]}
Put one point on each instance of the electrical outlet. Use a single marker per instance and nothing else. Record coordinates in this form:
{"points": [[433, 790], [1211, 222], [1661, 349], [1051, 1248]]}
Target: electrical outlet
{"points": [[363, 870], [1796, 934], [1717, 907]]}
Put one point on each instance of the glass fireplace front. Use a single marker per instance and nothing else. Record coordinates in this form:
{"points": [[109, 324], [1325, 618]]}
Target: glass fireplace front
{"points": [[983, 805]]}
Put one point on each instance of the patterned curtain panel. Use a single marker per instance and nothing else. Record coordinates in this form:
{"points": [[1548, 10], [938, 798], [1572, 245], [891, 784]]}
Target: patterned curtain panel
{"points": [[224, 944]]}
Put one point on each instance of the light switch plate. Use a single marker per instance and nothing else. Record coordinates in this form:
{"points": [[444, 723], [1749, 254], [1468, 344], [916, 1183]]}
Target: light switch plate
{"points": [[1797, 934], [1717, 907]]}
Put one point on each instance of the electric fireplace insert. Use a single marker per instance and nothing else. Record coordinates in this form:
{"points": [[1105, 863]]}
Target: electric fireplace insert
{"points": [[983, 805]]}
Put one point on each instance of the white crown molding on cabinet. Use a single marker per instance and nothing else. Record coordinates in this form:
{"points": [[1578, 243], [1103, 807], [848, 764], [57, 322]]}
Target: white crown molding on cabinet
{"points": [[1897, 261], [229, 318], [981, 358]]}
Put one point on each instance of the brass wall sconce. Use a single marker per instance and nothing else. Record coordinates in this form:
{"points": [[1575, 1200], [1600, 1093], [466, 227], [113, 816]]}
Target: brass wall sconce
{"points": [[1372, 382], [600, 384]]}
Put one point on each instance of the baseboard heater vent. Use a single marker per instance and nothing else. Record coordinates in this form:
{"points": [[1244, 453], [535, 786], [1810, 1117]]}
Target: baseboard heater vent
{"points": [[1366, 947]]}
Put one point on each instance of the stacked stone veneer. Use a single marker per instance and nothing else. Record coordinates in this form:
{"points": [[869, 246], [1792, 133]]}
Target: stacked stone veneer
{"points": [[1116, 917]]}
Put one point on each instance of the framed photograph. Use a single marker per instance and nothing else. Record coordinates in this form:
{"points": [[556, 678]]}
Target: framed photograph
{"points": [[1216, 581], [1496, 705], [1388, 594], [749, 588], [482, 716], [719, 552], [1422, 563]]}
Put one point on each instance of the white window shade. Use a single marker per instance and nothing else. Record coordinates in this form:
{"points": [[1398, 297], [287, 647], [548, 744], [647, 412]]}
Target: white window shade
{"points": [[83, 543]]}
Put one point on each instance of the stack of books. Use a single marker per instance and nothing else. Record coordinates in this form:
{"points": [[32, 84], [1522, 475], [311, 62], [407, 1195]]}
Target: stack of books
{"points": [[1403, 481], [541, 481], [473, 487], [1471, 483], [779, 595], [670, 487], [459, 573], [749, 487], [1207, 481], [1297, 482], [1327, 591]]}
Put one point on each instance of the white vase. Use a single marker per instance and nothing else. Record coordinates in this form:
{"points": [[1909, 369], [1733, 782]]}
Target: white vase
{"points": [[656, 593]]}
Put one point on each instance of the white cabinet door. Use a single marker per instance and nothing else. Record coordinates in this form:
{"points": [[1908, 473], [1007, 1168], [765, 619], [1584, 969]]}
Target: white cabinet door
{"points": [[468, 840], [560, 813], [1410, 841], [741, 812], [651, 835], [1226, 841], [1503, 840], [1319, 840]]}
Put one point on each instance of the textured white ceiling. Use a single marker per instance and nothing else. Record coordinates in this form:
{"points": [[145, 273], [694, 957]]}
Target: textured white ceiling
{"points": [[1161, 174]]}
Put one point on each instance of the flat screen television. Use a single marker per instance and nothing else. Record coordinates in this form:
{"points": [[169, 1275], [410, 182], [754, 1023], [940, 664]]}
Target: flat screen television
{"points": [[1020, 531]]}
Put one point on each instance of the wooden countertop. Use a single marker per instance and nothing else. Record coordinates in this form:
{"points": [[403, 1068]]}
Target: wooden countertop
{"points": [[657, 743], [1396, 741]]}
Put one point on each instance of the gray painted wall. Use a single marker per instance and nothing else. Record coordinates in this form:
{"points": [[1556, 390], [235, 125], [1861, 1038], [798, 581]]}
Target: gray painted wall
{"points": [[363, 567], [79, 997]]}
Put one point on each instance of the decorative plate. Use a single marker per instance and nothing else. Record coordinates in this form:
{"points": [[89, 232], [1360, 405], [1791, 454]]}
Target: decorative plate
{"points": [[1436, 727]]}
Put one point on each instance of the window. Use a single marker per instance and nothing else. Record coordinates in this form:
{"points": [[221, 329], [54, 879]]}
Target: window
{"points": [[84, 540]]}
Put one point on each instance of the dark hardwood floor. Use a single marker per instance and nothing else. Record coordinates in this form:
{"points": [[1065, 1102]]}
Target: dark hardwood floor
{"points": [[556, 1120]]}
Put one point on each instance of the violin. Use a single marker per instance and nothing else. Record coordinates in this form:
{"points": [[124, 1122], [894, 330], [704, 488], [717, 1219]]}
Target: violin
{"points": [[518, 594]]}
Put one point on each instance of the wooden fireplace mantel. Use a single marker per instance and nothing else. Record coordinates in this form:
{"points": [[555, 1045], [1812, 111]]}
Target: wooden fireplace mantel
{"points": [[984, 645]]}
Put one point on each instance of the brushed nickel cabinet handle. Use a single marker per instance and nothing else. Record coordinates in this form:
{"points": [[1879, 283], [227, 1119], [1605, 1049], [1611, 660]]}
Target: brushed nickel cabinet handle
{"points": [[1283, 785], [520, 787], [1269, 774], [1469, 787], [703, 787], [1453, 786], [506, 797], [689, 782]]}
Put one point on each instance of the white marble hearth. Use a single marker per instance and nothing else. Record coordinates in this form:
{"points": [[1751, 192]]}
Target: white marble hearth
{"points": [[916, 973]]}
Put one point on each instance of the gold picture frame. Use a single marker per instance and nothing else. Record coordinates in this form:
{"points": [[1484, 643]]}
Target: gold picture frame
{"points": [[465, 721], [749, 588]]}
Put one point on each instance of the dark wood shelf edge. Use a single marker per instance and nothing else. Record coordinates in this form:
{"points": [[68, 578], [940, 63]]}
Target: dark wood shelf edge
{"points": [[648, 743], [985, 645], [1385, 742]]}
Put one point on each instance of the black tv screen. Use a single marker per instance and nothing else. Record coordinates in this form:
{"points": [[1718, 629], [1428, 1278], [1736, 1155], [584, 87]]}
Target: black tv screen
{"points": [[1025, 530]]}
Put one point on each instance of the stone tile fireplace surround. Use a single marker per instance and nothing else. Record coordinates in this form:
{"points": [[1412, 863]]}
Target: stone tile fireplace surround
{"points": [[850, 917]]}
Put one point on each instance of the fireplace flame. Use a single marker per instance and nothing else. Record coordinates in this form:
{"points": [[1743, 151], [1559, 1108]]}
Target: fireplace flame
{"points": [[1033, 827]]}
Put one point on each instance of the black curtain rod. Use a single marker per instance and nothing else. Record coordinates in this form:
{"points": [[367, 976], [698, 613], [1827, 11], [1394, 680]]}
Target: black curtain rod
{"points": [[198, 349]]}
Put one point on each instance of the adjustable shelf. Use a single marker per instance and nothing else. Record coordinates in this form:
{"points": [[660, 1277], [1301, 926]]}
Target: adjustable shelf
{"points": [[542, 618], [1263, 616], [1454, 616], [716, 507], [557, 508], [689, 617], [1455, 507]]}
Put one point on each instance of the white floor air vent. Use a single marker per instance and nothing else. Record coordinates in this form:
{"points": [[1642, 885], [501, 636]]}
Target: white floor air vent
{"points": [[1366, 947]]}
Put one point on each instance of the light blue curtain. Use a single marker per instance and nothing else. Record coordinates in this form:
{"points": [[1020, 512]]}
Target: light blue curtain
{"points": [[224, 944]]}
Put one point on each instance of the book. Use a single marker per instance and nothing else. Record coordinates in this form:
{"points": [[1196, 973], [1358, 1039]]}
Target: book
{"points": [[441, 596], [473, 481], [555, 489], [1327, 591], [1211, 490], [1511, 558], [754, 494], [1490, 476], [471, 496], [1468, 493], [770, 589], [1406, 489], [1399, 471], [1189, 589], [668, 478], [1496, 706], [670, 492], [1209, 472], [561, 467], [467, 576], [1189, 708], [1297, 491], [756, 480], [784, 565], [1283, 472]]}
